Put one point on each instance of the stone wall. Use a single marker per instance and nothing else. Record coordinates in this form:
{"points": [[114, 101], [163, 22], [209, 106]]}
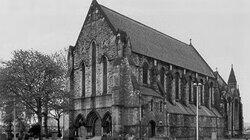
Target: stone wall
{"points": [[95, 31]]}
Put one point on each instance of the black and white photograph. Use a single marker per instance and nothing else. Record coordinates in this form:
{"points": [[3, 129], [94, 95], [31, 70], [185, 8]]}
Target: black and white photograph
{"points": [[124, 69]]}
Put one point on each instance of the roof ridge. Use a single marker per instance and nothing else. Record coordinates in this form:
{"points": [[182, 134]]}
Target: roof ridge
{"points": [[144, 25]]}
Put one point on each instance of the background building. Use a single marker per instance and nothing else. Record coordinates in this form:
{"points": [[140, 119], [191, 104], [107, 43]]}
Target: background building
{"points": [[231, 104]]}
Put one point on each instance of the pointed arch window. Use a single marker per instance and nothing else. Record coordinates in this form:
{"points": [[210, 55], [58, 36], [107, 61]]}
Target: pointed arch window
{"points": [[105, 73], [202, 93], [194, 94], [168, 85], [177, 86], [145, 73], [190, 91], [83, 80], [212, 95], [93, 68], [162, 78], [151, 105]]}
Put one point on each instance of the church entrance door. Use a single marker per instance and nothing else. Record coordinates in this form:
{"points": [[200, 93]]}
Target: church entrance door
{"points": [[152, 125], [93, 122], [107, 123]]}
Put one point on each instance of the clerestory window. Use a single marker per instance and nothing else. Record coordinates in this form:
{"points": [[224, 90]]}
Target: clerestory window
{"points": [[145, 74]]}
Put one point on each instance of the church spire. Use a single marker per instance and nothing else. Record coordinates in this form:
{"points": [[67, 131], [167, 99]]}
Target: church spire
{"points": [[232, 79]]}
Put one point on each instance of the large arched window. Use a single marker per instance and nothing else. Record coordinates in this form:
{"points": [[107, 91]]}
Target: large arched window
{"points": [[162, 78], [195, 94], [207, 93], [83, 80], [169, 83], [190, 90], [212, 95], [104, 77], [93, 69], [177, 86], [184, 92], [201, 93], [145, 73]]}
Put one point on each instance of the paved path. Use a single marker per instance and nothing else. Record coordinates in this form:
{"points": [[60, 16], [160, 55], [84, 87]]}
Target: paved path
{"points": [[96, 138]]}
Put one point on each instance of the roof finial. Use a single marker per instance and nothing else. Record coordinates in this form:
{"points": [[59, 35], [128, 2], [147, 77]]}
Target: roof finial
{"points": [[94, 1], [216, 69], [232, 65], [190, 42]]}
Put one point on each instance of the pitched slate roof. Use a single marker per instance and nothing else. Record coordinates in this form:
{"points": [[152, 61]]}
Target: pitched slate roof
{"points": [[150, 42], [149, 92], [220, 80], [203, 110]]}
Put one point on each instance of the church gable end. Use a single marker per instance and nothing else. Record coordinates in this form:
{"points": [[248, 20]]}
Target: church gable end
{"points": [[96, 28]]}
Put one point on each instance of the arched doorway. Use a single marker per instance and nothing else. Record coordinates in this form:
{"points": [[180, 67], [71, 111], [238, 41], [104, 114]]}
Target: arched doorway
{"points": [[79, 125], [107, 123], [93, 124], [152, 126]]}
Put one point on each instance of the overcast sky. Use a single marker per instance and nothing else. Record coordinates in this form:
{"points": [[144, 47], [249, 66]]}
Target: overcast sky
{"points": [[219, 29]]}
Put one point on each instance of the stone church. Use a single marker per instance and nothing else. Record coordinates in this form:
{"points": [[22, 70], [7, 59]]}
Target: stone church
{"points": [[130, 79]]}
